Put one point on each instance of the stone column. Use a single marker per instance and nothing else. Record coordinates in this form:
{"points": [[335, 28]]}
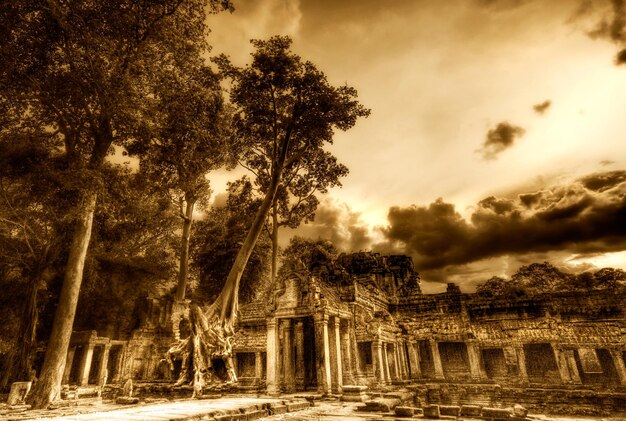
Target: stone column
{"points": [[378, 361], [561, 362], [414, 361], [620, 366], [258, 367], [396, 362], [322, 351], [272, 378], [386, 367], [434, 348], [521, 363], [299, 344], [338, 377], [85, 365], [476, 369], [572, 366], [104, 361], [287, 357], [69, 360], [346, 352]]}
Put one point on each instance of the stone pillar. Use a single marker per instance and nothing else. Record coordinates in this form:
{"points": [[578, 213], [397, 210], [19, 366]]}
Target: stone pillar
{"points": [[338, 377], [476, 368], [287, 358], [272, 377], [322, 351], [69, 360], [414, 361], [396, 362], [378, 361], [401, 359], [386, 367], [620, 366], [521, 363], [572, 367], [258, 367], [346, 352], [85, 365], [561, 362], [104, 361], [434, 348], [299, 345]]}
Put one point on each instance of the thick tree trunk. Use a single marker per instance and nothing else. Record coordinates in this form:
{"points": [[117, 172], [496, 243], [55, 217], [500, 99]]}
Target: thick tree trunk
{"points": [[274, 243], [48, 386], [19, 362], [184, 247]]}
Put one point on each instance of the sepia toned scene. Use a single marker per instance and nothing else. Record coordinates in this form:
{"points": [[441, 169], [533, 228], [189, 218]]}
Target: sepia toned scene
{"points": [[312, 210]]}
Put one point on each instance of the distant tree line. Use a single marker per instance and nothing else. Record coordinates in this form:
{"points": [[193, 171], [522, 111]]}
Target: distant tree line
{"points": [[540, 278]]}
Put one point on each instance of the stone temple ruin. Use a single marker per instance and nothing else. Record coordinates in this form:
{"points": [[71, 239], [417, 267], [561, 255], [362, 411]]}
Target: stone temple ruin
{"points": [[363, 320]]}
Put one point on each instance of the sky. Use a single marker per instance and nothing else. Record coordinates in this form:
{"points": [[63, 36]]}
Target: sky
{"points": [[496, 137]]}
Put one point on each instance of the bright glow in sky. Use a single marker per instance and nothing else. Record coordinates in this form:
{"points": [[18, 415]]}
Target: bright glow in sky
{"points": [[438, 76]]}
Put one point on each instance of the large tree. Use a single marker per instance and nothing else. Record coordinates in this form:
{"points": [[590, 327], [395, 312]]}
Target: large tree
{"points": [[286, 112], [189, 140], [78, 70]]}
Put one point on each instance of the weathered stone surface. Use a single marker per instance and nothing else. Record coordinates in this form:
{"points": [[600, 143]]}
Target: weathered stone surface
{"points": [[519, 410], [276, 409], [127, 400], [381, 405], [449, 410], [297, 406], [18, 393], [470, 411], [431, 411], [404, 411], [496, 413]]}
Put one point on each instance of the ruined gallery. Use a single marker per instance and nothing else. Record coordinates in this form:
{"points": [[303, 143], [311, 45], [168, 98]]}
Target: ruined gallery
{"points": [[362, 320]]}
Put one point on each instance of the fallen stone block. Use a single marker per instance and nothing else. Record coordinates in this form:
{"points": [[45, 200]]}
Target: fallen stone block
{"points": [[471, 410], [402, 395], [519, 410], [256, 414], [496, 413], [18, 408], [18, 393], [276, 409], [297, 406], [381, 405], [404, 411], [431, 411], [450, 410], [354, 393], [126, 400]]}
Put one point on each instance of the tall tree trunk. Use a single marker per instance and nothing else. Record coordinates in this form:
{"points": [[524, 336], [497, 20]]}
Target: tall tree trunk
{"points": [[190, 202], [274, 243], [19, 361], [48, 386]]}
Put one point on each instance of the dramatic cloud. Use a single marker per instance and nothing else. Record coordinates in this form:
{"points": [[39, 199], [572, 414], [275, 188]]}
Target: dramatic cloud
{"points": [[587, 216], [338, 223], [500, 138], [611, 23], [542, 107]]}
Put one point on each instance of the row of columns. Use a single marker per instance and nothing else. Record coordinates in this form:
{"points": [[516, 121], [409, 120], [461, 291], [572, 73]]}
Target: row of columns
{"points": [[85, 364], [336, 359]]}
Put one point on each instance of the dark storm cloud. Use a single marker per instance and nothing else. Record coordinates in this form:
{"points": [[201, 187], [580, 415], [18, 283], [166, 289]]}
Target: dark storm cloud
{"points": [[500, 138], [542, 107], [612, 26], [339, 224], [604, 181], [589, 215]]}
